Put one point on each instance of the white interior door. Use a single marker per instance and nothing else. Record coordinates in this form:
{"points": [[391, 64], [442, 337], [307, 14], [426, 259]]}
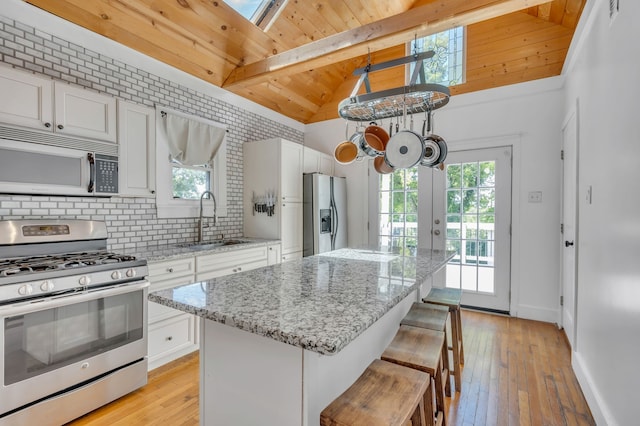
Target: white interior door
{"points": [[472, 216], [569, 221]]}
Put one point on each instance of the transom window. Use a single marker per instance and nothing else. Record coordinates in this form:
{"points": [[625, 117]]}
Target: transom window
{"points": [[398, 212], [446, 67]]}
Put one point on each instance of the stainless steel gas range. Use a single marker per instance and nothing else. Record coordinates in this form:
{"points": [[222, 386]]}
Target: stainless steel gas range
{"points": [[73, 321]]}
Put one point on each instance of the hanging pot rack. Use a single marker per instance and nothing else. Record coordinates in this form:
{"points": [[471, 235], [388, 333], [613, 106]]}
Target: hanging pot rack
{"points": [[417, 97]]}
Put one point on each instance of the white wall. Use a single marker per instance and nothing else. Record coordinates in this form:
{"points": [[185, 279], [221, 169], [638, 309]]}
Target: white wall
{"points": [[530, 113], [603, 76]]}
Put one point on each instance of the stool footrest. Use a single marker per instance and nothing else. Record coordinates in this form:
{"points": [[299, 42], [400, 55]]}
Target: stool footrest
{"points": [[439, 419]]}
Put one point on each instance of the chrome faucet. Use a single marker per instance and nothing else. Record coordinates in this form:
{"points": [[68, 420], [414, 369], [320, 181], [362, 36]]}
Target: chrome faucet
{"points": [[200, 224]]}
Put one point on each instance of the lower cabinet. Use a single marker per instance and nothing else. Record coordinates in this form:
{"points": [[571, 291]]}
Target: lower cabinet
{"points": [[218, 264], [171, 334]]}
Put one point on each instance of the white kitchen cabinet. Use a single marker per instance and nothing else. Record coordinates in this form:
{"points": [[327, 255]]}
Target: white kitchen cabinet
{"points": [[83, 113], [170, 333], [290, 171], [225, 263], [317, 162], [27, 100], [274, 165], [274, 254], [42, 104], [291, 231], [137, 139], [291, 256]]}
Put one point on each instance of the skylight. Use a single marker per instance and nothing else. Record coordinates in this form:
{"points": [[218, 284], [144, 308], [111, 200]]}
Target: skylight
{"points": [[246, 8], [261, 12]]}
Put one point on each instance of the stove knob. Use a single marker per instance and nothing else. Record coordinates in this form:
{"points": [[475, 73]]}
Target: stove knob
{"points": [[116, 275], [84, 281], [131, 273], [25, 290], [47, 285]]}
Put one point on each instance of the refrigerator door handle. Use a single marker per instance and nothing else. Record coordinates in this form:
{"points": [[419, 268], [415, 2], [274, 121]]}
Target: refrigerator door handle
{"points": [[334, 219]]}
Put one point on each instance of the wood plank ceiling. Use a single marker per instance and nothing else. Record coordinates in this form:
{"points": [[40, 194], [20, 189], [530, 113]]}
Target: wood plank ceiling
{"points": [[302, 65]]}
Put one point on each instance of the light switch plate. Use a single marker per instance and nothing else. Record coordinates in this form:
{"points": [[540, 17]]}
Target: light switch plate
{"points": [[535, 196]]}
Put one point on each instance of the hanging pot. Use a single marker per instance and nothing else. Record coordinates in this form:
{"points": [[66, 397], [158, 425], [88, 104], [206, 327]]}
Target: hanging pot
{"points": [[404, 150], [371, 145], [443, 151], [347, 152], [432, 150], [374, 131], [381, 165]]}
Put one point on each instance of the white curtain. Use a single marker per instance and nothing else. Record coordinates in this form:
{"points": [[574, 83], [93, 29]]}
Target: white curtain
{"points": [[192, 142]]}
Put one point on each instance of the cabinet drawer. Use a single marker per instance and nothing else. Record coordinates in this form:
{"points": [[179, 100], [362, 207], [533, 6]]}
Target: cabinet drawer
{"points": [[171, 335], [156, 312], [170, 273], [219, 264]]}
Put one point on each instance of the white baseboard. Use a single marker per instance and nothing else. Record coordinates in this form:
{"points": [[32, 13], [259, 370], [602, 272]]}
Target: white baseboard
{"points": [[598, 408], [537, 313]]}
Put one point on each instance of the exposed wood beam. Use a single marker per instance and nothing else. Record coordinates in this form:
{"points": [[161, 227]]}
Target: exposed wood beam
{"points": [[388, 32]]}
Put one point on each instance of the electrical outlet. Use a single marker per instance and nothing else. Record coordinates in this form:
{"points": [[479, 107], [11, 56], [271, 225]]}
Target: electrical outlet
{"points": [[535, 196]]}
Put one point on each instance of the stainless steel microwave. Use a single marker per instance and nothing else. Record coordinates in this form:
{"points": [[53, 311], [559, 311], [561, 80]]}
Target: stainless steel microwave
{"points": [[37, 163]]}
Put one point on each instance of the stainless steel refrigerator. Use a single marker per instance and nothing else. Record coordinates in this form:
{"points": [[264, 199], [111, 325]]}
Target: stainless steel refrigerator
{"points": [[324, 213]]}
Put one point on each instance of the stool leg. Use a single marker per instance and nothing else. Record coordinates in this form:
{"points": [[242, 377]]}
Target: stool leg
{"points": [[460, 335], [439, 393], [418, 417], [429, 415], [456, 353], [445, 365]]}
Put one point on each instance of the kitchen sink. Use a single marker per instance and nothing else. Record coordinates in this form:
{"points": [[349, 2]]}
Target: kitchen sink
{"points": [[208, 245]]}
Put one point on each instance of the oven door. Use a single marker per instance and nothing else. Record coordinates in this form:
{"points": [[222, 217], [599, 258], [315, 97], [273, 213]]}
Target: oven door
{"points": [[61, 342]]}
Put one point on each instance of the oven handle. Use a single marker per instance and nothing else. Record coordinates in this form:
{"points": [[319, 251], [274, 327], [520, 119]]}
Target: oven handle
{"points": [[66, 299]]}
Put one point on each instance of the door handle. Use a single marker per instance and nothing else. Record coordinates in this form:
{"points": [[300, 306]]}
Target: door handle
{"points": [[568, 243]]}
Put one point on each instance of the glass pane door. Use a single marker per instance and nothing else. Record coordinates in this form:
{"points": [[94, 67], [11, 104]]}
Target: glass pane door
{"points": [[472, 216]]}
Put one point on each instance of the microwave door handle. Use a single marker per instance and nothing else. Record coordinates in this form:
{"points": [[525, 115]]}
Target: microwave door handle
{"points": [[92, 171]]}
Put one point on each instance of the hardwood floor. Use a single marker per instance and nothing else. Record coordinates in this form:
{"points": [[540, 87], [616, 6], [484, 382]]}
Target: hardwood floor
{"points": [[170, 398], [517, 372]]}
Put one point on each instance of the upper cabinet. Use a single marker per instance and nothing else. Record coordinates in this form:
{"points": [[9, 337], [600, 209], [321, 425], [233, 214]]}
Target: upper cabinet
{"points": [[79, 112], [317, 162], [27, 100], [39, 103], [291, 171], [274, 166], [137, 139]]}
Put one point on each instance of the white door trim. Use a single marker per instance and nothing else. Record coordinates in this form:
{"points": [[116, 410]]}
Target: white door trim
{"points": [[425, 192], [572, 331]]}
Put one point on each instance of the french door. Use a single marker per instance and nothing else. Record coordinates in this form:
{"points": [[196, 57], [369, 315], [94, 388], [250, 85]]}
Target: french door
{"points": [[471, 215]]}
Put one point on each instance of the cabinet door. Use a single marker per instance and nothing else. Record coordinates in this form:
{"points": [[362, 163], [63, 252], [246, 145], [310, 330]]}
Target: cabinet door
{"points": [[273, 254], [291, 227], [325, 163], [311, 160], [83, 113], [291, 172], [27, 100], [137, 139]]}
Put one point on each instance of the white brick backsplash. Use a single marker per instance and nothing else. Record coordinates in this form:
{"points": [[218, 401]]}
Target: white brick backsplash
{"points": [[131, 222]]}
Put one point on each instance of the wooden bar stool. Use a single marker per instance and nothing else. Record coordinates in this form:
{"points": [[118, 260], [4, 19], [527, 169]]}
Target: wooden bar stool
{"points": [[385, 394], [433, 317], [421, 349], [450, 297]]}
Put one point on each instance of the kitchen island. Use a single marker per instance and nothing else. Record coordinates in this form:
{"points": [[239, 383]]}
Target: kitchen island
{"points": [[280, 343]]}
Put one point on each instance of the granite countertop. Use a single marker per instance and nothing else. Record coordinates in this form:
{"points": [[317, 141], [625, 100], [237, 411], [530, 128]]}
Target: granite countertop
{"points": [[319, 303], [162, 252]]}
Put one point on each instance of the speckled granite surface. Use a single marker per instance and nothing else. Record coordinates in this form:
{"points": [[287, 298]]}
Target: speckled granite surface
{"points": [[159, 253], [319, 303]]}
